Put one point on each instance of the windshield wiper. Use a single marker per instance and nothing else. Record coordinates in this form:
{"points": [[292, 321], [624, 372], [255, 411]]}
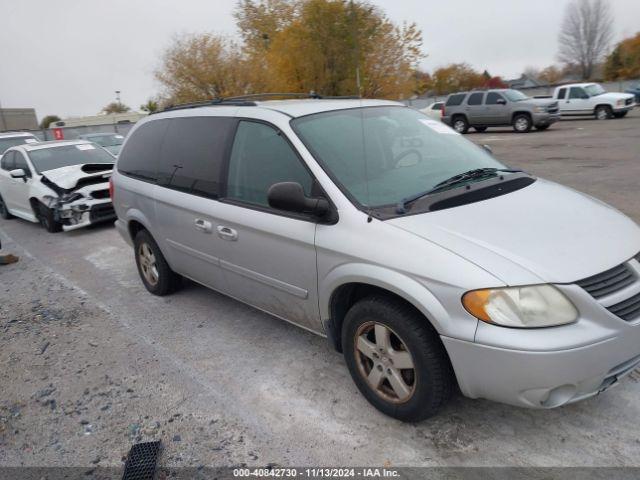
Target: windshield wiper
{"points": [[450, 182]]}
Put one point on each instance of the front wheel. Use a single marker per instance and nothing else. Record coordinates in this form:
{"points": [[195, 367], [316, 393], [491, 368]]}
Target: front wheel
{"points": [[522, 123], [47, 219], [4, 211], [155, 273], [603, 112], [396, 359]]}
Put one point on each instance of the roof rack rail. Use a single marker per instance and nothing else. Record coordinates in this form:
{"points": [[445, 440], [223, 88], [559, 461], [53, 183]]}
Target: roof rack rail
{"points": [[248, 100]]}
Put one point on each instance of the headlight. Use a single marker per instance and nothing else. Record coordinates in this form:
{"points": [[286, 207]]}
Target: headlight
{"points": [[620, 103], [540, 109], [521, 307]]}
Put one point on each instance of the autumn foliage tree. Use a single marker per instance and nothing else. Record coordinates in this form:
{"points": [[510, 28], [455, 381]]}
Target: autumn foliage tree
{"points": [[456, 77], [624, 61], [332, 47]]}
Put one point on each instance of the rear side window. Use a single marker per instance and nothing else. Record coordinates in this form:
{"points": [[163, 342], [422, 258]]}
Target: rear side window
{"points": [[455, 100], [475, 98], [492, 98], [193, 154], [139, 157], [437, 106], [562, 93]]}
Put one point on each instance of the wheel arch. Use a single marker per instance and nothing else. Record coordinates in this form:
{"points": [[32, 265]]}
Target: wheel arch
{"points": [[521, 112], [339, 292]]}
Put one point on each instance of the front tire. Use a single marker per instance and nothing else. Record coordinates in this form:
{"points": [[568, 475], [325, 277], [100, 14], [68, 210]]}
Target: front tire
{"points": [[47, 219], [603, 112], [396, 359], [155, 273], [4, 211], [522, 123]]}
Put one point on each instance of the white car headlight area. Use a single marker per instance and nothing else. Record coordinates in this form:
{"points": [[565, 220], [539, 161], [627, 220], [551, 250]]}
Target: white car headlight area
{"points": [[532, 306]]}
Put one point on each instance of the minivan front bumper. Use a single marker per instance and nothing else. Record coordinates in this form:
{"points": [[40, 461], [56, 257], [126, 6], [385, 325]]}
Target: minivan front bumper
{"points": [[543, 379]]}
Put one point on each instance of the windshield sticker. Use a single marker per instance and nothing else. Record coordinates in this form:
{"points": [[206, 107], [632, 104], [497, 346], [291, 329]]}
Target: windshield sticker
{"points": [[438, 127], [85, 147], [31, 140]]}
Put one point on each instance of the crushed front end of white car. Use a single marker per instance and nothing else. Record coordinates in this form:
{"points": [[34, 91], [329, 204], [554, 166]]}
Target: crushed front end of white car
{"points": [[82, 194]]}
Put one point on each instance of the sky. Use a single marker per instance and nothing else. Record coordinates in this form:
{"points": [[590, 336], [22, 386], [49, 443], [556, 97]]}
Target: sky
{"points": [[68, 57]]}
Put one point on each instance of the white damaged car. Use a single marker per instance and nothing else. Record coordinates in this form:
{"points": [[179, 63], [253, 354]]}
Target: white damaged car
{"points": [[63, 185]]}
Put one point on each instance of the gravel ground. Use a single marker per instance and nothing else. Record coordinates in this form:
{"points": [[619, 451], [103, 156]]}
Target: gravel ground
{"points": [[91, 363]]}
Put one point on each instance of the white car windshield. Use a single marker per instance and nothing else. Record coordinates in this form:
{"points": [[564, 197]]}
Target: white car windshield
{"points": [[382, 155], [67, 155], [8, 142], [594, 90]]}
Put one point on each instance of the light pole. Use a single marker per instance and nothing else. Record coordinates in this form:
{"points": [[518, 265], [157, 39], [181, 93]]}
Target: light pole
{"points": [[118, 97]]}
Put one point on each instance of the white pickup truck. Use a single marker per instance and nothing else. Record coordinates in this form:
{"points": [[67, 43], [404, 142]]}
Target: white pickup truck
{"points": [[591, 99]]}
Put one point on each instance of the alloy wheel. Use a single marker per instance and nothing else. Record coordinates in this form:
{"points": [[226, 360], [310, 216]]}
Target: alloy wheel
{"points": [[458, 126], [148, 263], [522, 124], [385, 362]]}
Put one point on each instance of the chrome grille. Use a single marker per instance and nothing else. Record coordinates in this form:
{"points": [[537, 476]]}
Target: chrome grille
{"points": [[629, 101], [608, 282]]}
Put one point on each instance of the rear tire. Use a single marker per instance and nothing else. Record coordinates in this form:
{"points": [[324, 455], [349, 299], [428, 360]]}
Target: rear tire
{"points": [[396, 359], [4, 211], [522, 123], [460, 124], [155, 273], [47, 219], [603, 112]]}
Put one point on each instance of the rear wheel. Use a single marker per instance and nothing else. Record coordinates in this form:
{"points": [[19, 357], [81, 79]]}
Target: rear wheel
{"points": [[460, 124], [4, 211], [480, 129], [603, 112], [47, 219], [396, 359], [156, 275], [522, 123]]}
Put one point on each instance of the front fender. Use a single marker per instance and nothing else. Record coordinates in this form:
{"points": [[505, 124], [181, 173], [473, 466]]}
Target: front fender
{"points": [[405, 287]]}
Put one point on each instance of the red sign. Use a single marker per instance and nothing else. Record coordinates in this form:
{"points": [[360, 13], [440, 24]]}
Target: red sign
{"points": [[58, 134]]}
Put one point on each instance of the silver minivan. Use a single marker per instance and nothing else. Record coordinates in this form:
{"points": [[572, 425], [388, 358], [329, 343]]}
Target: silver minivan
{"points": [[422, 258]]}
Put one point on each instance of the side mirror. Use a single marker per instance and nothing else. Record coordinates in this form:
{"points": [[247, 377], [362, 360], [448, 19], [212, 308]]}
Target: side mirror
{"points": [[488, 149], [290, 197], [18, 173], [501, 101]]}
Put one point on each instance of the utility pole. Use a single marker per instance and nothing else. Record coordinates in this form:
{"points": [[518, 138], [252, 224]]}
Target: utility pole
{"points": [[4, 122], [118, 97]]}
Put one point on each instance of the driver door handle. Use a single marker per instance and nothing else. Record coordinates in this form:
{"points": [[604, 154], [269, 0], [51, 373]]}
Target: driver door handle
{"points": [[227, 233]]}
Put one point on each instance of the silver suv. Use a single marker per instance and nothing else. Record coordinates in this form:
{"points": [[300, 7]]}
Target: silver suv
{"points": [[495, 108], [421, 257]]}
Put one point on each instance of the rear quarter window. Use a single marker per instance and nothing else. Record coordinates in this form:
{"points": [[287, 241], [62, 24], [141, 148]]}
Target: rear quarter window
{"points": [[139, 158], [455, 100]]}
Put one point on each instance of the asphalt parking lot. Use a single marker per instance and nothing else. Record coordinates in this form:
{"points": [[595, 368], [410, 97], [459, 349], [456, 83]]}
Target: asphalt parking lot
{"points": [[91, 363]]}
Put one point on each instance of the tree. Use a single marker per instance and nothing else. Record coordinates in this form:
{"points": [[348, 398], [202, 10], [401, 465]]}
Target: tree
{"points": [[48, 120], [624, 61], [585, 34], [551, 75], [116, 107], [151, 106], [456, 77], [201, 67]]}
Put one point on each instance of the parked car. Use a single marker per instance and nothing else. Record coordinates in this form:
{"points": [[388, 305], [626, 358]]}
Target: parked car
{"points": [[591, 99], [111, 142], [494, 108], [61, 184], [635, 91], [434, 110], [421, 257], [11, 139]]}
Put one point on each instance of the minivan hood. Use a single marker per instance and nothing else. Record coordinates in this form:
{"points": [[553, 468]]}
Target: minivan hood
{"points": [[68, 177], [544, 232]]}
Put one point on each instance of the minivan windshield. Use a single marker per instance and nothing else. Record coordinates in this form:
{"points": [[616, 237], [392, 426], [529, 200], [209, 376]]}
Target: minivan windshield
{"points": [[594, 90], [64, 156], [382, 155]]}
